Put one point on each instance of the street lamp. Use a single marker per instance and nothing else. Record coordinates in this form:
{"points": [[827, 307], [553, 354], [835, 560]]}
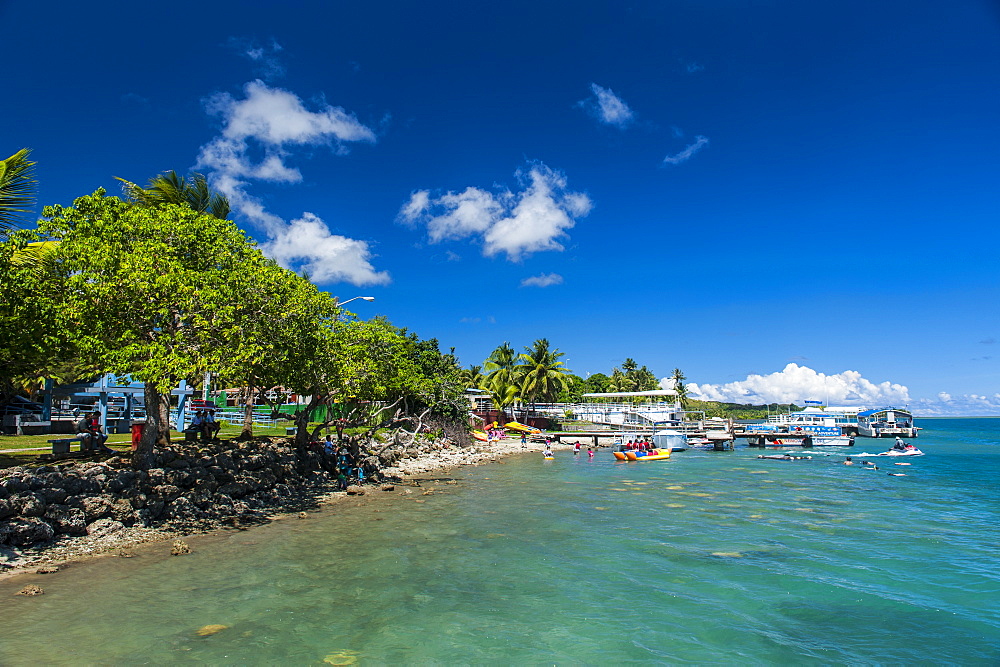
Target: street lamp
{"points": [[366, 298]]}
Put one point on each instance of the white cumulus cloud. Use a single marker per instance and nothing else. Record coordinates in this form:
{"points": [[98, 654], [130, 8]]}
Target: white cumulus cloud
{"points": [[512, 223], [306, 242], [685, 155], [607, 107], [274, 121], [795, 384], [542, 280]]}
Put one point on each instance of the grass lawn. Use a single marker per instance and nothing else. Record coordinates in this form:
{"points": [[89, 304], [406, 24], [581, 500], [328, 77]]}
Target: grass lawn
{"points": [[30, 444]]}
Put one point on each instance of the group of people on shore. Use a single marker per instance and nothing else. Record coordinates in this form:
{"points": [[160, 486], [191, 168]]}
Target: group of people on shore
{"points": [[349, 469], [204, 423], [91, 433], [495, 434]]}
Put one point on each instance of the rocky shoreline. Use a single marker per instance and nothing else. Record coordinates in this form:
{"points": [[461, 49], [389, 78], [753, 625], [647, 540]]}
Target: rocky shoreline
{"points": [[81, 509]]}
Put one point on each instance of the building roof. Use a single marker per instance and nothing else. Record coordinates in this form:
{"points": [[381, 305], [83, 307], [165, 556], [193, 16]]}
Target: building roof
{"points": [[626, 394]]}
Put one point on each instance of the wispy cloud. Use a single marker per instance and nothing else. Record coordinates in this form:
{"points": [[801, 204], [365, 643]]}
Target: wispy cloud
{"points": [[685, 155], [954, 405], [267, 65], [693, 67], [542, 280], [988, 341], [135, 98], [607, 107], [513, 223], [273, 121]]}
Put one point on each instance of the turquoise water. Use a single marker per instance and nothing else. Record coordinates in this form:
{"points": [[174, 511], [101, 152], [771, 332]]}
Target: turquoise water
{"points": [[710, 557]]}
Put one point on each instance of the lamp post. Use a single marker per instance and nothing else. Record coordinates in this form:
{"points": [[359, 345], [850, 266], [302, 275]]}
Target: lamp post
{"points": [[366, 298]]}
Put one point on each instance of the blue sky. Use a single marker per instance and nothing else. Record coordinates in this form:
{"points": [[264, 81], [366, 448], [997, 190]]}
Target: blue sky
{"points": [[725, 187]]}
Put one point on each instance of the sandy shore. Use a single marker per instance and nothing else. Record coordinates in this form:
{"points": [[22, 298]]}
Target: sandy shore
{"points": [[75, 549]]}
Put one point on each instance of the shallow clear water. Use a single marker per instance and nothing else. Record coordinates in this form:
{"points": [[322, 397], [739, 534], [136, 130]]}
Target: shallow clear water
{"points": [[710, 557]]}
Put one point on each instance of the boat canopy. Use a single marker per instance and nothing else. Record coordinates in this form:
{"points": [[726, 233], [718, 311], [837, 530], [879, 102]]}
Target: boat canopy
{"points": [[869, 413]]}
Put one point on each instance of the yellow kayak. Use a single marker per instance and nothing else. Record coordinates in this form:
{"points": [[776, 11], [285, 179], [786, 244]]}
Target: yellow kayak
{"points": [[518, 426], [479, 435]]}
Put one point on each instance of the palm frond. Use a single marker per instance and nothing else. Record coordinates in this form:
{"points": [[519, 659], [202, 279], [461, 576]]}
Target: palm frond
{"points": [[17, 188]]}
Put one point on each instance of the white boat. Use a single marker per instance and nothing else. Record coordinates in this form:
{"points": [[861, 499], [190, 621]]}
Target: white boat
{"points": [[886, 423]]}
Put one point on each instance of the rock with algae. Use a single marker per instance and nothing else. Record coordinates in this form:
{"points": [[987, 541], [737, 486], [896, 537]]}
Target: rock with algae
{"points": [[180, 548], [30, 590], [208, 630]]}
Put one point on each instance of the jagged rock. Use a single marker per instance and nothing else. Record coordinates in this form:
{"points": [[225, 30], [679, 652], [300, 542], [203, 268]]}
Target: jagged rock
{"points": [[104, 527], [30, 590], [355, 490], [25, 532], [53, 495], [67, 520], [29, 504], [167, 491], [6, 508], [47, 569], [97, 507], [388, 487], [180, 548], [122, 510]]}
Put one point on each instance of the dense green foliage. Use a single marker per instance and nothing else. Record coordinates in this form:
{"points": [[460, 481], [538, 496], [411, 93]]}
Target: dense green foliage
{"points": [[739, 410], [163, 292]]}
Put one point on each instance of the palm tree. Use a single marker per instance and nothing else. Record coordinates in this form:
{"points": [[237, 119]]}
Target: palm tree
{"points": [[542, 374], [170, 188], [678, 378], [621, 381], [501, 377], [473, 377], [17, 188]]}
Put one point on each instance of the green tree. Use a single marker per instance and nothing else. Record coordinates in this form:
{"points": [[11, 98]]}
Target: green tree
{"points": [[542, 375], [170, 188], [597, 383], [155, 293], [575, 388]]}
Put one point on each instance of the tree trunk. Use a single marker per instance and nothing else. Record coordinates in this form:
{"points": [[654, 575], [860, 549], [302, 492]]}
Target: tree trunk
{"points": [[163, 431], [302, 421], [142, 457], [247, 432]]}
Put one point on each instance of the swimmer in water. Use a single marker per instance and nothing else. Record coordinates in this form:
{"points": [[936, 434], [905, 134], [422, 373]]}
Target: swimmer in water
{"points": [[848, 461], [897, 474], [590, 452]]}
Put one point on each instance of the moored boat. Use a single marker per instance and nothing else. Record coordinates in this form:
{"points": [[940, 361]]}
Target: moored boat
{"points": [[887, 423]]}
